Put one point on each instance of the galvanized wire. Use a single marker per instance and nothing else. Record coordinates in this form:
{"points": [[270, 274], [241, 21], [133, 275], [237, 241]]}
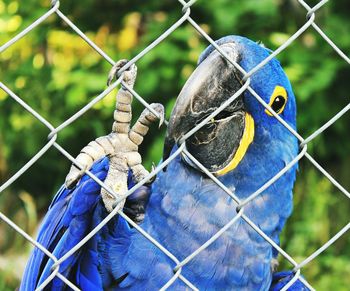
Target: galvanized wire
{"points": [[178, 265]]}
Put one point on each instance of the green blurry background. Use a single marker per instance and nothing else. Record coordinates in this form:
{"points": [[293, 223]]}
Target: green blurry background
{"points": [[57, 73]]}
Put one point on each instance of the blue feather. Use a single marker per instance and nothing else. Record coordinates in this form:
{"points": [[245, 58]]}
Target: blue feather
{"points": [[281, 279]]}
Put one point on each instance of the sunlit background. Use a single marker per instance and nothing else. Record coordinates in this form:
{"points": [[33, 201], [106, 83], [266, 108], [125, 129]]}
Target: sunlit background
{"points": [[57, 73]]}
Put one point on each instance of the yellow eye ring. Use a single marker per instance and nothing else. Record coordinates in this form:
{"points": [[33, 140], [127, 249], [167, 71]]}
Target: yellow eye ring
{"points": [[278, 100]]}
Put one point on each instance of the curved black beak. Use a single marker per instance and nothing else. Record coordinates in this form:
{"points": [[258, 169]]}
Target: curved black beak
{"points": [[213, 82]]}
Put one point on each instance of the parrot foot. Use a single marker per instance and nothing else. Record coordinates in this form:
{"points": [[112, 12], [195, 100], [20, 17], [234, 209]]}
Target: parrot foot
{"points": [[120, 146], [126, 157]]}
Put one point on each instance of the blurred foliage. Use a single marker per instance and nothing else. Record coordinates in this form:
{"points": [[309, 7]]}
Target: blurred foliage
{"points": [[57, 73]]}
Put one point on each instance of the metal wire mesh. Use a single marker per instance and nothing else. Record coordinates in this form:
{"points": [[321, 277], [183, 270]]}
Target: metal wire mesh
{"points": [[186, 9]]}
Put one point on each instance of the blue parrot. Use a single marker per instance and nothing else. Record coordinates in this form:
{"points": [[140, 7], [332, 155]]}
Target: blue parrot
{"points": [[244, 146]]}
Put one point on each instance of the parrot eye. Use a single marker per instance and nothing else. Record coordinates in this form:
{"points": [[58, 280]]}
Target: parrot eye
{"points": [[278, 100], [278, 103]]}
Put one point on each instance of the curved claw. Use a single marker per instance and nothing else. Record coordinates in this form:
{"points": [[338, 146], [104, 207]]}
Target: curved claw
{"points": [[113, 72], [111, 76], [73, 177], [129, 74], [159, 108], [161, 119], [151, 180]]}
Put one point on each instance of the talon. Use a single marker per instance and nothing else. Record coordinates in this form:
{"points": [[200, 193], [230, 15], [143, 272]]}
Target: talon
{"points": [[153, 167], [73, 177], [152, 179], [111, 76], [70, 183], [159, 108], [114, 72], [161, 120]]}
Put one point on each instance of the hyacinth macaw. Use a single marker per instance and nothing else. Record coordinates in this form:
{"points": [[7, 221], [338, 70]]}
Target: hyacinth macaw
{"points": [[244, 146]]}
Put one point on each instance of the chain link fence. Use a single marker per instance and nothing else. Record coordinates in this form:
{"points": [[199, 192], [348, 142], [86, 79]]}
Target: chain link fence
{"points": [[52, 137]]}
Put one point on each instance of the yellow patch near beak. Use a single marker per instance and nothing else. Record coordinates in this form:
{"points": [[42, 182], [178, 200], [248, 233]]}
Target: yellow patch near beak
{"points": [[246, 140]]}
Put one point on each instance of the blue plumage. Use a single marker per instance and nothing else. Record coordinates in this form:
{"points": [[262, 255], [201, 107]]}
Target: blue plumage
{"points": [[185, 209], [281, 279]]}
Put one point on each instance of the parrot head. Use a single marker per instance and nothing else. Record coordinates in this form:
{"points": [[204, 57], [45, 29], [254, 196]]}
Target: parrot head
{"points": [[222, 143]]}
